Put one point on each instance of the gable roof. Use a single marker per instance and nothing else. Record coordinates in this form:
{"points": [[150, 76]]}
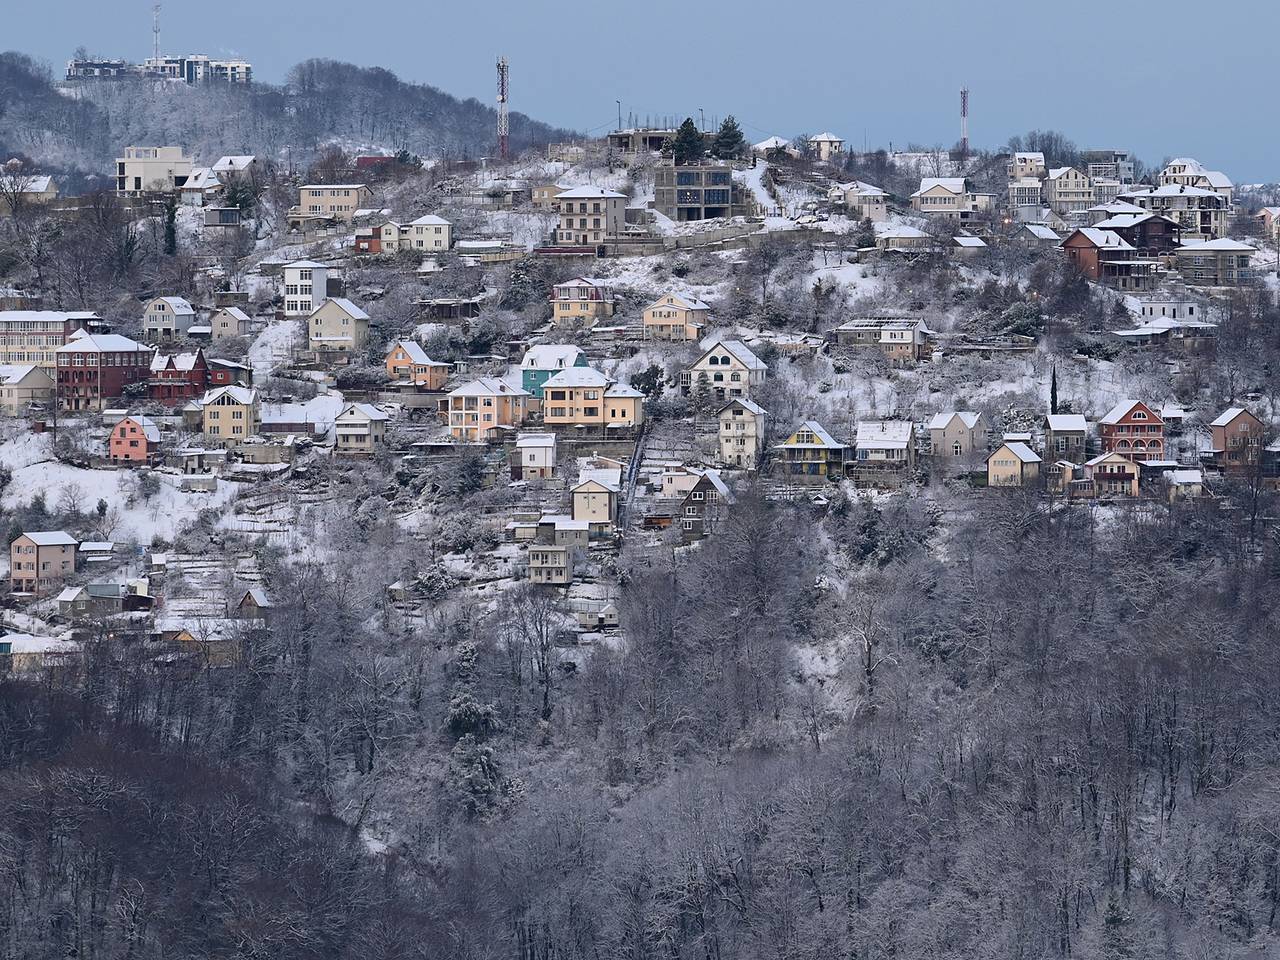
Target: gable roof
{"points": [[487, 387], [1220, 245], [178, 361], [364, 410], [83, 342], [689, 303], [550, 356], [242, 395], [749, 405], [740, 351], [1121, 409], [430, 220], [1066, 422], [570, 377], [1040, 231], [826, 137], [950, 184], [1019, 449], [150, 429], [968, 417], [347, 307], [1228, 415], [1105, 239], [818, 430], [50, 538], [883, 434], [233, 163], [412, 350], [235, 313]]}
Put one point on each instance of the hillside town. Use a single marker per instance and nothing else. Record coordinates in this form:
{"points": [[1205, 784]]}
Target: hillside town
{"points": [[547, 397]]}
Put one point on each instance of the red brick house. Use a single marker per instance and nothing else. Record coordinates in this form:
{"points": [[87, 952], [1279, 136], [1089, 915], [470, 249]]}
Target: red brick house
{"points": [[1105, 256], [228, 373], [178, 378], [1134, 430], [94, 368], [1238, 439], [134, 439]]}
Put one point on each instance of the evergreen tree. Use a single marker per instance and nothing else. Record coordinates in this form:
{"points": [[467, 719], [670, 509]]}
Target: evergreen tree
{"points": [[1053, 390], [729, 142], [171, 225], [688, 146]]}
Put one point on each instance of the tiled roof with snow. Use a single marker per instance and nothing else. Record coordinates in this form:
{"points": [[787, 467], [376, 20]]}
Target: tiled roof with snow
{"points": [[1105, 238], [82, 342], [487, 387], [1227, 416], [1220, 245], [50, 538], [363, 411], [950, 184], [883, 434], [571, 377], [550, 356], [348, 307], [967, 417], [1066, 422]]}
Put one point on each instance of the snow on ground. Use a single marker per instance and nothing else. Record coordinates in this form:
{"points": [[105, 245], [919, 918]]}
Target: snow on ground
{"points": [[272, 347], [130, 517]]}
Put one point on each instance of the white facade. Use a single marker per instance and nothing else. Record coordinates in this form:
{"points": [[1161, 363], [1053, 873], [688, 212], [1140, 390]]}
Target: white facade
{"points": [[304, 287]]}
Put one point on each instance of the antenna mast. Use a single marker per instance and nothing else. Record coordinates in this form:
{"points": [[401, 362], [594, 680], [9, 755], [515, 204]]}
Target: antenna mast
{"points": [[155, 32], [964, 120], [504, 128]]}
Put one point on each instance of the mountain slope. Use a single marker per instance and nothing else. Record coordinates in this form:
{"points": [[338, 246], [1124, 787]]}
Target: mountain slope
{"points": [[323, 101]]}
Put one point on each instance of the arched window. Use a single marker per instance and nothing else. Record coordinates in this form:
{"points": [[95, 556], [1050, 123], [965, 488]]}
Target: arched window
{"points": [[957, 449]]}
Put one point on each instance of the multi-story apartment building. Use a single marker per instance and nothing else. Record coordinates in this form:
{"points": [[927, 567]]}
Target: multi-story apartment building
{"points": [[1216, 263], [693, 191], [584, 397], [581, 302], [157, 169], [1187, 172], [33, 336], [305, 287], [1067, 190], [1026, 197], [589, 215], [1108, 165], [1202, 213], [196, 68], [94, 368]]}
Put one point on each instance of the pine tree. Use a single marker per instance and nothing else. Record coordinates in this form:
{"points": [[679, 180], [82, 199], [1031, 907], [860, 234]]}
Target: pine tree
{"points": [[170, 225], [688, 146], [1053, 390], [729, 142]]}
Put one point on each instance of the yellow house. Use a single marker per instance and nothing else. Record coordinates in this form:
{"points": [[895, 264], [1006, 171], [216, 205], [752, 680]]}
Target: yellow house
{"points": [[581, 302], [1112, 475], [581, 396], [407, 362], [230, 414], [1067, 190], [338, 326], [481, 409], [230, 322], [544, 197], [1012, 464], [675, 318], [950, 197]]}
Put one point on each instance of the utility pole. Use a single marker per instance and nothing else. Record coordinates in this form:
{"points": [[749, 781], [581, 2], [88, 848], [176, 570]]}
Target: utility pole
{"points": [[619, 103], [503, 122]]}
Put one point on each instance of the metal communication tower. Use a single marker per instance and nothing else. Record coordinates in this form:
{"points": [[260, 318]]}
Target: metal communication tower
{"points": [[964, 120], [504, 128], [155, 31]]}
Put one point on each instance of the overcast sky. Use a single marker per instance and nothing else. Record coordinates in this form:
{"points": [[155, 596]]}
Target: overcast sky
{"points": [[1159, 78]]}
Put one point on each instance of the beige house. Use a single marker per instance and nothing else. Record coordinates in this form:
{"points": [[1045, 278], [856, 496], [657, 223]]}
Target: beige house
{"points": [[950, 197], [581, 302], [1026, 164], [330, 201], [862, 201], [1012, 464], [158, 169], [534, 457], [595, 500], [551, 565], [584, 397], [957, 434], [1112, 475], [360, 428], [167, 318], [230, 322], [25, 190], [742, 433], [338, 326], [427, 234], [1067, 190], [589, 215], [1189, 172], [22, 387], [675, 318], [481, 409], [40, 560], [826, 146], [1216, 263], [727, 369], [904, 340], [230, 414], [544, 197]]}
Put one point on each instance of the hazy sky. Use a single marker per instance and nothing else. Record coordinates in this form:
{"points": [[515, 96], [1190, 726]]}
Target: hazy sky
{"points": [[1161, 79]]}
